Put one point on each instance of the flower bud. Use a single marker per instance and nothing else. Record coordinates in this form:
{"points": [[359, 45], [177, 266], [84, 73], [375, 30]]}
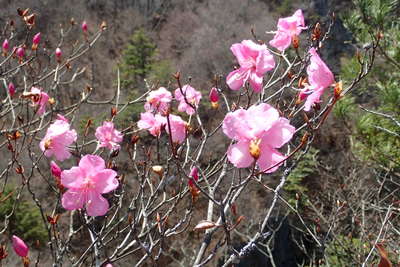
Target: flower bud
{"points": [[158, 170], [338, 89], [20, 52], [55, 169], [58, 54], [254, 148], [295, 42], [3, 252], [19, 246], [194, 174], [214, 97], [36, 38], [35, 41], [47, 144], [11, 89], [6, 47], [84, 26]]}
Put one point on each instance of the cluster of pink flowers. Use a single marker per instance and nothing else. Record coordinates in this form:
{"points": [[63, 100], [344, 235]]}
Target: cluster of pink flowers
{"points": [[158, 100], [258, 132], [90, 179], [188, 98], [157, 115], [57, 139]]}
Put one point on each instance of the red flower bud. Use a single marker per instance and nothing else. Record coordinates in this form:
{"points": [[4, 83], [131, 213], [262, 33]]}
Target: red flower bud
{"points": [[11, 89], [84, 26], [19, 246]]}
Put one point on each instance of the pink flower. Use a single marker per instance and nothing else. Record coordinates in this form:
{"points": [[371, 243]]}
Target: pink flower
{"points": [[84, 26], [259, 131], [20, 52], [178, 128], [6, 46], [108, 136], [190, 95], [158, 100], [57, 139], [153, 123], [254, 60], [55, 169], [86, 183], [288, 28], [58, 54], [39, 98], [11, 89], [319, 78], [19, 246], [194, 173], [36, 39]]}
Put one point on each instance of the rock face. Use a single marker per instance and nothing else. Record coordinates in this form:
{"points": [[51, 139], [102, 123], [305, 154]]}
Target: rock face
{"points": [[282, 240]]}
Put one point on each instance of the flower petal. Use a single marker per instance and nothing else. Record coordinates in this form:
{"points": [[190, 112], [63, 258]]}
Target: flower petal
{"points": [[91, 164], [73, 199], [72, 178], [279, 134], [264, 62], [236, 79], [281, 40], [96, 204], [313, 98], [268, 158], [256, 82], [105, 181], [239, 155]]}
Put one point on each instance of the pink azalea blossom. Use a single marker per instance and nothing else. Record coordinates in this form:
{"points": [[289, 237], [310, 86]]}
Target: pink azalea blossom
{"points": [[11, 89], [259, 131], [40, 99], [158, 100], [57, 139], [254, 60], [178, 128], [288, 28], [319, 78], [19, 246], [151, 122], [190, 95], [194, 174], [86, 183], [55, 169], [108, 136]]}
